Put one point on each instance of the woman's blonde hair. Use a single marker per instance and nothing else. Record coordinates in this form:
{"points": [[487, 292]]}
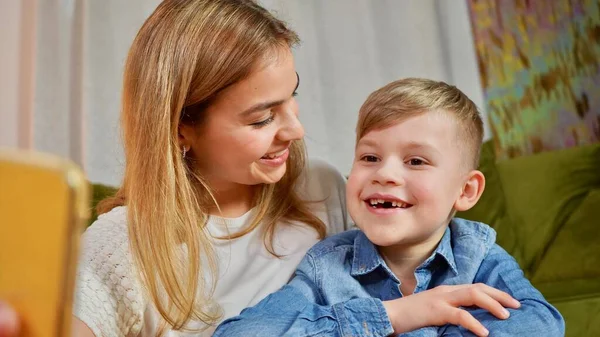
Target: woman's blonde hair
{"points": [[187, 52], [409, 97]]}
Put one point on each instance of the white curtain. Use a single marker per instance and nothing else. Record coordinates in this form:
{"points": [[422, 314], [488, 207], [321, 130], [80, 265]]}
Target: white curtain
{"points": [[349, 48]]}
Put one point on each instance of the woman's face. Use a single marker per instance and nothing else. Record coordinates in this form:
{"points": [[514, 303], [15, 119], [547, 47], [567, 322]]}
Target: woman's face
{"points": [[245, 135]]}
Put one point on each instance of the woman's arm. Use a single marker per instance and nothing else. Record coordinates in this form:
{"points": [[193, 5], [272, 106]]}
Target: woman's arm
{"points": [[105, 272], [299, 310]]}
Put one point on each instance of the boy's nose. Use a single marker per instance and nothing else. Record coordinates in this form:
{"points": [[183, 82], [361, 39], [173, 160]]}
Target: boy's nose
{"points": [[389, 173]]}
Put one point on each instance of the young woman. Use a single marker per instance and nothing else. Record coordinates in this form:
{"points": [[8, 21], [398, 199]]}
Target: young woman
{"points": [[218, 210]]}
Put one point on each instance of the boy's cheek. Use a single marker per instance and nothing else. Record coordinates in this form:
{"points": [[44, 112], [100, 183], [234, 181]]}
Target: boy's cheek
{"points": [[427, 190], [355, 177]]}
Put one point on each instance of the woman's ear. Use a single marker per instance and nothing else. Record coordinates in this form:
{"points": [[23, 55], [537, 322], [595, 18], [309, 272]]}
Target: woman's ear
{"points": [[471, 191], [185, 136]]}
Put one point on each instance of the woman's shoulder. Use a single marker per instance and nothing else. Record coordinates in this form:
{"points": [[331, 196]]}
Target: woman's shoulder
{"points": [[321, 179], [324, 187], [116, 219], [321, 167], [106, 272], [107, 236]]}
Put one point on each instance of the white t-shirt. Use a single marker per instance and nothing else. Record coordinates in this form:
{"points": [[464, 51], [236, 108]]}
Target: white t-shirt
{"points": [[108, 295]]}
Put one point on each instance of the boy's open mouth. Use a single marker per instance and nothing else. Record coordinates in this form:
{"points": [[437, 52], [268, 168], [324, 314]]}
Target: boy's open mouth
{"points": [[380, 203]]}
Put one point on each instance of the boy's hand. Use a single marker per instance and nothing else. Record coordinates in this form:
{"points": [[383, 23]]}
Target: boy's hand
{"points": [[441, 305]]}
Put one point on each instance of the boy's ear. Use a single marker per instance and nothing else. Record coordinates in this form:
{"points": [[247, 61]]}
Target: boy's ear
{"points": [[471, 191]]}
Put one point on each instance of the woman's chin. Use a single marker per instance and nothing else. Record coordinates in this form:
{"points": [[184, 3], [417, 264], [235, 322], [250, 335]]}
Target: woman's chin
{"points": [[268, 175]]}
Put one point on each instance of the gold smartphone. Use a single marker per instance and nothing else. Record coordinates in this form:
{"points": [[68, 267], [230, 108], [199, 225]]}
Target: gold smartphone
{"points": [[43, 209]]}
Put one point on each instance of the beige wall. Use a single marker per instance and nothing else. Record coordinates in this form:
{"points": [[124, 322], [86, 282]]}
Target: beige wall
{"points": [[17, 35], [61, 64], [41, 76]]}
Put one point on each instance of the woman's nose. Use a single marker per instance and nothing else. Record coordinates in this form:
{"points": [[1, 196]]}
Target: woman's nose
{"points": [[291, 128]]}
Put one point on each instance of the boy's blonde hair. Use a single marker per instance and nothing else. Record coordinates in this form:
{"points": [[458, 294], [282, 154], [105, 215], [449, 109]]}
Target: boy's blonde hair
{"points": [[411, 97]]}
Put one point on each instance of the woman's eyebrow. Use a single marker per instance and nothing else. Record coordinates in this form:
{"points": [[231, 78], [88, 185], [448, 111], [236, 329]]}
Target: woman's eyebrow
{"points": [[267, 105], [260, 107]]}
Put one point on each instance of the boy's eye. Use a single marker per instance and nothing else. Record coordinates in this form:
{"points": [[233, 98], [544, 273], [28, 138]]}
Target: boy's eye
{"points": [[416, 162], [369, 158]]}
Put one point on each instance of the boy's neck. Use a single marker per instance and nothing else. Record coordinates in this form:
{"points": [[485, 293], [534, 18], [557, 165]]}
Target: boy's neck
{"points": [[404, 260]]}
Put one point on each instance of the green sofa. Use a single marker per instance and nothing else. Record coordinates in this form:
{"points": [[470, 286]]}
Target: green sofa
{"points": [[546, 210], [99, 192]]}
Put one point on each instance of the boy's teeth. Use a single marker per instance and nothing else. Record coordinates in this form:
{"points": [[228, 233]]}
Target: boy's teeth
{"points": [[398, 204]]}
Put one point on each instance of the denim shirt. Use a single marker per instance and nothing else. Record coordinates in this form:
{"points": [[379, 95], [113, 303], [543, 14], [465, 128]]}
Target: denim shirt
{"points": [[340, 284]]}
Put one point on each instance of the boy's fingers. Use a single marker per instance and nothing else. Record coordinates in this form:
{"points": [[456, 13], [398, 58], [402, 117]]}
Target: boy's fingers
{"points": [[485, 301], [460, 317], [505, 299]]}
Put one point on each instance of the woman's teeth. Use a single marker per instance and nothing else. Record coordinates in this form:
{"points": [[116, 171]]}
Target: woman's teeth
{"points": [[274, 155]]}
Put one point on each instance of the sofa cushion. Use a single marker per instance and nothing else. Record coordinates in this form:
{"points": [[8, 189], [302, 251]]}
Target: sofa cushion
{"points": [[581, 316], [99, 193], [542, 191], [575, 252]]}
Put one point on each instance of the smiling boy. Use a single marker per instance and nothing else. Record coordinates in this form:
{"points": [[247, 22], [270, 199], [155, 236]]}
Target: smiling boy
{"points": [[415, 165]]}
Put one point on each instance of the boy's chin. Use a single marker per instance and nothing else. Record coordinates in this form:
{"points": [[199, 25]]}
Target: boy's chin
{"points": [[384, 238]]}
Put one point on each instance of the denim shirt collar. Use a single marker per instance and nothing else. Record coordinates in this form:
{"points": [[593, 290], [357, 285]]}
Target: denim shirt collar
{"points": [[366, 257]]}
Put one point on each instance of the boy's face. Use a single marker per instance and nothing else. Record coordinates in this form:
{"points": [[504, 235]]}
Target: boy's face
{"points": [[406, 179]]}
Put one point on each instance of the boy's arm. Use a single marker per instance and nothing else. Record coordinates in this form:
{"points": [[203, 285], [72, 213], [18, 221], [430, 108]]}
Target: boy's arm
{"points": [[535, 317], [297, 309]]}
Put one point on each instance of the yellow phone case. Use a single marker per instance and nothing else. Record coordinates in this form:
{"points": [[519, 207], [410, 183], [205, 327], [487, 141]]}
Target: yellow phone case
{"points": [[43, 208]]}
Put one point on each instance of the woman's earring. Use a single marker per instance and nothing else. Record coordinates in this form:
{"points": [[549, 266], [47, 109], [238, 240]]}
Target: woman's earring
{"points": [[185, 150]]}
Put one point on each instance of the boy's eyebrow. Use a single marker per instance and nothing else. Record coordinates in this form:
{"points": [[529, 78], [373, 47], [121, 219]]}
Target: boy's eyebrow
{"points": [[410, 145], [366, 142], [421, 146], [267, 105]]}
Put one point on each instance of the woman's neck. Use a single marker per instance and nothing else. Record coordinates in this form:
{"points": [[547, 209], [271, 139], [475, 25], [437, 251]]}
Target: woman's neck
{"points": [[234, 200]]}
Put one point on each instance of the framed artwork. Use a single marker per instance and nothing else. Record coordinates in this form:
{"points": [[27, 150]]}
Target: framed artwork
{"points": [[539, 67]]}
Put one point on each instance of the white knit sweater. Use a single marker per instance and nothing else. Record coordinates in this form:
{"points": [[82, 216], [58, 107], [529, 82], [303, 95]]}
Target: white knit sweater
{"points": [[108, 295]]}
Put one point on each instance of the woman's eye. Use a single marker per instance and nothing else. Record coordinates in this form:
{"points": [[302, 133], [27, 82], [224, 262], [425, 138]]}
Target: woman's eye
{"points": [[369, 158], [416, 162], [295, 94], [264, 122]]}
